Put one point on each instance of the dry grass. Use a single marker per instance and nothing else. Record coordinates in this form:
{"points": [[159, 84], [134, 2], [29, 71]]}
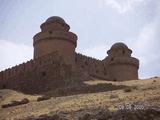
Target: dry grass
{"points": [[10, 95], [142, 90]]}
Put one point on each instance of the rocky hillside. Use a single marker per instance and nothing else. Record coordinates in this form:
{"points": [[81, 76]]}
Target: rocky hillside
{"points": [[92, 100]]}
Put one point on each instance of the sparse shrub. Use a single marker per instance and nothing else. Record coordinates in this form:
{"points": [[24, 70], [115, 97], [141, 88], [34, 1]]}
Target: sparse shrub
{"points": [[24, 101], [154, 80], [87, 116], [103, 115], [7, 105], [135, 88], [127, 90], [42, 98], [15, 103], [55, 117], [47, 117], [112, 96]]}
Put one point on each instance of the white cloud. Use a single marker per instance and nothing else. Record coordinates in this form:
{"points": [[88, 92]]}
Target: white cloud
{"points": [[146, 48], [145, 43], [12, 54], [98, 51], [123, 6]]}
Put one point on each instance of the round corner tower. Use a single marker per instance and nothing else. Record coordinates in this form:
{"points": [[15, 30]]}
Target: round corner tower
{"points": [[55, 36], [121, 65]]}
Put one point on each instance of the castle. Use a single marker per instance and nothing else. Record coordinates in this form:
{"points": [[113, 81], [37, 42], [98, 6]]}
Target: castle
{"points": [[56, 61]]}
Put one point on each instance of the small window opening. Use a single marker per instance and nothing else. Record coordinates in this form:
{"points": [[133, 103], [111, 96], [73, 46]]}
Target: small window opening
{"points": [[50, 32], [44, 74], [3, 86], [95, 66], [86, 63], [123, 117], [112, 59], [82, 66], [114, 79], [123, 52]]}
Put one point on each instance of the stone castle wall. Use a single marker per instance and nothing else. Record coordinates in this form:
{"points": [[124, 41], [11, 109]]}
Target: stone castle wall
{"points": [[40, 74], [51, 68], [28, 66], [94, 67], [49, 71], [56, 63]]}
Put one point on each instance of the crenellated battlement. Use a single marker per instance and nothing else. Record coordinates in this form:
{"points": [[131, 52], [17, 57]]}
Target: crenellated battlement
{"points": [[30, 65], [94, 67]]}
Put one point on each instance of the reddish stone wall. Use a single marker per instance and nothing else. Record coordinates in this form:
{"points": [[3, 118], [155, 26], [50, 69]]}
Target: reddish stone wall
{"points": [[50, 71], [43, 74], [120, 72], [28, 66], [65, 49], [94, 67]]}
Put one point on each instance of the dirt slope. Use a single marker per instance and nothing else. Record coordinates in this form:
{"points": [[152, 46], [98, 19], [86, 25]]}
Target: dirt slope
{"points": [[142, 94]]}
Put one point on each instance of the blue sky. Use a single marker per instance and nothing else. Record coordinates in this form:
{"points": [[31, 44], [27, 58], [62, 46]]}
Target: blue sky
{"points": [[98, 24]]}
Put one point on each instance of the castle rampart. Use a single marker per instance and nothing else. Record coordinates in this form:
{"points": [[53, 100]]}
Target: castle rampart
{"points": [[55, 62], [94, 67], [50, 69]]}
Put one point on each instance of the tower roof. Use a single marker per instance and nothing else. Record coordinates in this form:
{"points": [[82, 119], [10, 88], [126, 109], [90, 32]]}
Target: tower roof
{"points": [[56, 19], [119, 45], [119, 49], [55, 23]]}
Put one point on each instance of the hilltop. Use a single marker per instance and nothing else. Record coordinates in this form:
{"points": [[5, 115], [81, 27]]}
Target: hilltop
{"points": [[94, 99]]}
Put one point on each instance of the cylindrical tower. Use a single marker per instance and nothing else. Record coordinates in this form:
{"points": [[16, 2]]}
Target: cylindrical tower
{"points": [[55, 36], [121, 65]]}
